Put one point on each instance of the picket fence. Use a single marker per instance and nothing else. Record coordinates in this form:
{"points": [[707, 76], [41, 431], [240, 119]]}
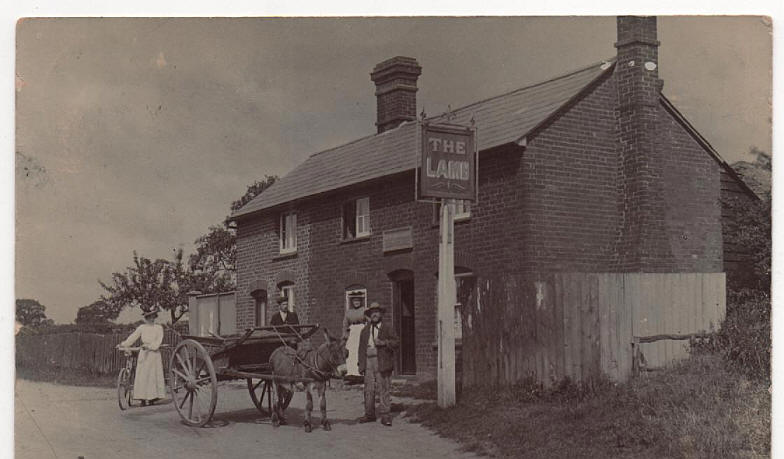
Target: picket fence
{"points": [[90, 352]]}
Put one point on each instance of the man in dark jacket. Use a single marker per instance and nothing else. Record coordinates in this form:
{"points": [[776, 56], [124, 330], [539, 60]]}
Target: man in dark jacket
{"points": [[284, 316], [377, 345]]}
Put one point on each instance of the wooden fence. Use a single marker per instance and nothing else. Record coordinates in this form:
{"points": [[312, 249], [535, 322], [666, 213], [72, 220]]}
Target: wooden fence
{"points": [[91, 352], [583, 325]]}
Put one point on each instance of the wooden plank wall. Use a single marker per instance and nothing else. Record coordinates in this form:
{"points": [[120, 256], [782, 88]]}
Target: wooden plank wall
{"points": [[581, 325], [85, 351]]}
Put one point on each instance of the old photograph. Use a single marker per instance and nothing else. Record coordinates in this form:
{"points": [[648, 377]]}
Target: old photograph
{"points": [[397, 237]]}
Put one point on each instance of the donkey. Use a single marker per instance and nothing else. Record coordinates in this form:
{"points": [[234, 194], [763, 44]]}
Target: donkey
{"points": [[329, 360]]}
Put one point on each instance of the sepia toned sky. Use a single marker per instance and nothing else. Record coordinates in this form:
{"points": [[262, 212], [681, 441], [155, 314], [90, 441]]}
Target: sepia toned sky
{"points": [[137, 134]]}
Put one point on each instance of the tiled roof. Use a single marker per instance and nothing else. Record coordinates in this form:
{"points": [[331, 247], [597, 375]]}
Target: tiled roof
{"points": [[499, 120]]}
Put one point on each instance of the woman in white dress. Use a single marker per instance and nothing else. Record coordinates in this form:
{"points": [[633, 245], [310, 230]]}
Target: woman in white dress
{"points": [[149, 384], [353, 322]]}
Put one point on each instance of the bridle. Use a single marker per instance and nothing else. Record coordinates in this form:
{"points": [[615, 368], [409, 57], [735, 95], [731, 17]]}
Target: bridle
{"points": [[323, 374]]}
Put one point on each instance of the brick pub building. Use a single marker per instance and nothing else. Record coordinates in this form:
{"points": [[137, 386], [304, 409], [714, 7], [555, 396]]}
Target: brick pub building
{"points": [[592, 171]]}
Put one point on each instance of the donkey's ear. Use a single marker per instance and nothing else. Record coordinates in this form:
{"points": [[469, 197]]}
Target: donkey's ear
{"points": [[326, 336]]}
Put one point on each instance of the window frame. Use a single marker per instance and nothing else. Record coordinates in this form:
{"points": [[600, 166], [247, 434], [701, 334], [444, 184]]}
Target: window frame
{"points": [[458, 305], [287, 290], [355, 292], [285, 233], [352, 221], [260, 309], [362, 217], [465, 215]]}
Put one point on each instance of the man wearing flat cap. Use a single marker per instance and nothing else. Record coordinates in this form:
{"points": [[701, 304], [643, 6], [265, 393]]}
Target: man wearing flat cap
{"points": [[377, 345], [284, 316]]}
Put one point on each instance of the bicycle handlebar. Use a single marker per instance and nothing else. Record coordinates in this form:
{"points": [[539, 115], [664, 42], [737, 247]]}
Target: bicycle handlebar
{"points": [[138, 348]]}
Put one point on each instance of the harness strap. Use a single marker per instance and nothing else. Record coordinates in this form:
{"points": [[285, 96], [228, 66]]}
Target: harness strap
{"points": [[314, 369]]}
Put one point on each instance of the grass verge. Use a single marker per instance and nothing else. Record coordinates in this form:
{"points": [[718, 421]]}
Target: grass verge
{"points": [[67, 376], [695, 409]]}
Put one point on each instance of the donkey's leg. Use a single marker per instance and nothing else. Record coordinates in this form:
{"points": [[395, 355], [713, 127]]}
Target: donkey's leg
{"points": [[283, 393], [273, 394], [322, 389], [308, 407]]}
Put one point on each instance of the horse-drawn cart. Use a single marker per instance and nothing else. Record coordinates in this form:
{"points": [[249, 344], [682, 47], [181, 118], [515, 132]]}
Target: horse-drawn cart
{"points": [[198, 363]]}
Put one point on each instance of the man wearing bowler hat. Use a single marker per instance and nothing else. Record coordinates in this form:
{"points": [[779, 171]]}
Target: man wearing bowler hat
{"points": [[284, 316], [377, 345]]}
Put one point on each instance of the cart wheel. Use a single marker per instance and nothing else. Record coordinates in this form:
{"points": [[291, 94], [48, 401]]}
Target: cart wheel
{"points": [[193, 384], [257, 390], [124, 389], [286, 399]]}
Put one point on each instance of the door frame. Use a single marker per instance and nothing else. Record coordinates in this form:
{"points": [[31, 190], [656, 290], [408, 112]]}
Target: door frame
{"points": [[396, 278]]}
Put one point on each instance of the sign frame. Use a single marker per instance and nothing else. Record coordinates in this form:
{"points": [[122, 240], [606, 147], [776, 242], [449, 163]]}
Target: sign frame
{"points": [[447, 128]]}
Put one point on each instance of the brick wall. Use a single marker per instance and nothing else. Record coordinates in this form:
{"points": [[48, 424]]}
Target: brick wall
{"points": [[571, 213], [326, 265], [559, 204], [691, 195]]}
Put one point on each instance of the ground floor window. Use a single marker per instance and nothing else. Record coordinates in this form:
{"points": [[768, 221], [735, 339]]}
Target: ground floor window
{"points": [[466, 293], [287, 291], [260, 308], [356, 294]]}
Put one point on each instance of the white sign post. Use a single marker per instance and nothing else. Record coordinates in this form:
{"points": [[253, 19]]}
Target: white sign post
{"points": [[448, 171], [447, 298]]}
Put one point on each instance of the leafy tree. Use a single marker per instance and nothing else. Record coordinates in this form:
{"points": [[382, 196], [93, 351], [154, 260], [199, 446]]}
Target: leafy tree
{"points": [[751, 228], [254, 190], [149, 284], [31, 313], [98, 312], [762, 159], [213, 266]]}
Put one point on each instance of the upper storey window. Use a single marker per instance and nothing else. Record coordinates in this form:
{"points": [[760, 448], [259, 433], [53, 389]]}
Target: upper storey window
{"points": [[288, 232], [356, 218]]}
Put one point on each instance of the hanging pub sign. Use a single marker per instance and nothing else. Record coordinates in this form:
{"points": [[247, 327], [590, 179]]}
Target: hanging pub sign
{"points": [[448, 167]]}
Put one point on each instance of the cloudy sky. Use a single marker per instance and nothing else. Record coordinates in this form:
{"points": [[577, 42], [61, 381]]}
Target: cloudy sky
{"points": [[137, 134]]}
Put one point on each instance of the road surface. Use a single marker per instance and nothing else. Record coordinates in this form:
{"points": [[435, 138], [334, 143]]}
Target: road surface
{"points": [[55, 421]]}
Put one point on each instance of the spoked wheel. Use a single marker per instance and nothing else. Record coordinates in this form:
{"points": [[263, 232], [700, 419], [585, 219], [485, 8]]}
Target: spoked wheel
{"points": [[259, 388], [284, 403], [193, 384], [257, 391], [124, 389]]}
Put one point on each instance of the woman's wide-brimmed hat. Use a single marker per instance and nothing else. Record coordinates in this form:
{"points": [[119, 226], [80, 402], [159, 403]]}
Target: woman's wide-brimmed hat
{"points": [[151, 312], [374, 307]]}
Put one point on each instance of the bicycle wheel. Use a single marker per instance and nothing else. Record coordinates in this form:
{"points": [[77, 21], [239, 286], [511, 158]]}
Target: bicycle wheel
{"points": [[124, 389]]}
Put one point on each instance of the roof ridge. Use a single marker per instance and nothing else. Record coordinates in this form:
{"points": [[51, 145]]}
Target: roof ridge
{"points": [[540, 83], [481, 101]]}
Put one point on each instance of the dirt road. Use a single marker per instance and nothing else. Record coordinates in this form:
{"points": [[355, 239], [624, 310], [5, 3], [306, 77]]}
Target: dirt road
{"points": [[53, 421]]}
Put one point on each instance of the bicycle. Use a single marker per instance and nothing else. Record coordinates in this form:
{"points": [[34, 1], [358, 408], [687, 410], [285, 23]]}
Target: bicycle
{"points": [[125, 378]]}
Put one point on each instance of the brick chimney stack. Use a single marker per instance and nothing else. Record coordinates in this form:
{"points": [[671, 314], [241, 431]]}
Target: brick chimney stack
{"points": [[645, 244], [396, 87]]}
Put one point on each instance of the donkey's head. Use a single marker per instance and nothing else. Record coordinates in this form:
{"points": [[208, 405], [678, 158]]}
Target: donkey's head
{"points": [[333, 352]]}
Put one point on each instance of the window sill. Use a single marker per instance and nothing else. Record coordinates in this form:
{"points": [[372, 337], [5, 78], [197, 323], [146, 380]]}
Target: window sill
{"points": [[356, 239], [285, 255], [458, 221]]}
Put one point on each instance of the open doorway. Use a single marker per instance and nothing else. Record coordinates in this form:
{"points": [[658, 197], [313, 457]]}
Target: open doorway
{"points": [[404, 319]]}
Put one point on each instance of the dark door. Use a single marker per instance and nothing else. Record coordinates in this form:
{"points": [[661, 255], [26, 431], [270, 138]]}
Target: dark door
{"points": [[404, 324]]}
